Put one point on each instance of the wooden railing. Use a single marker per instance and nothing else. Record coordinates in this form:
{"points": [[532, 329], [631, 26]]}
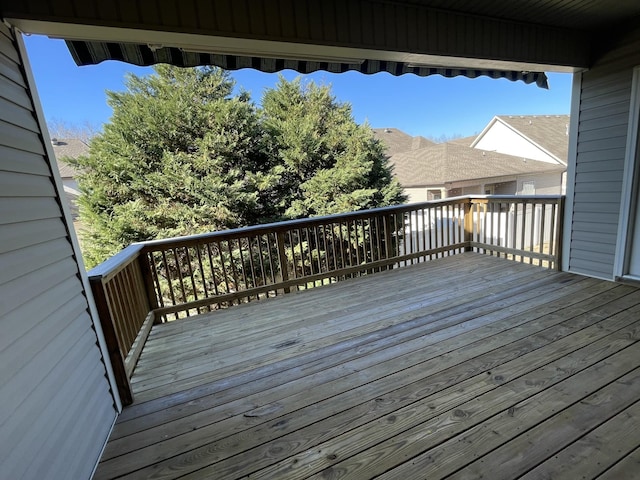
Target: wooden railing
{"points": [[119, 291], [164, 280]]}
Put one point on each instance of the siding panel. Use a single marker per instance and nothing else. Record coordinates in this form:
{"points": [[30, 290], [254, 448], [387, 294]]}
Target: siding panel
{"points": [[57, 408], [13, 160], [602, 135], [23, 185], [19, 235]]}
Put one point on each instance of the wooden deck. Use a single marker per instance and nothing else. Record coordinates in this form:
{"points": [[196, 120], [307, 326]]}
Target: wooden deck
{"points": [[465, 367]]}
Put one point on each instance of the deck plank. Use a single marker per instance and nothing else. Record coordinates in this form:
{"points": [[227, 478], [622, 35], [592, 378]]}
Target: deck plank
{"points": [[597, 451], [626, 468], [390, 374]]}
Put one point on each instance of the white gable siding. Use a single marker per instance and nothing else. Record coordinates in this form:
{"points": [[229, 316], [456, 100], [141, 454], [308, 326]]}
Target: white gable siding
{"points": [[502, 139], [57, 408], [605, 98]]}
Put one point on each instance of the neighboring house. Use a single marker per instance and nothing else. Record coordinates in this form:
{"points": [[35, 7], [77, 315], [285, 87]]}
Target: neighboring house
{"points": [[513, 155], [58, 393], [64, 148], [449, 169]]}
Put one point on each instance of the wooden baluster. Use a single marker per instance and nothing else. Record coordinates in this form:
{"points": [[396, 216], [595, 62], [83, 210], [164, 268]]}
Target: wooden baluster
{"points": [[552, 228], [203, 274], [191, 276], [225, 275], [532, 232], [180, 278], [263, 274], [214, 276], [335, 247], [305, 253], [372, 231], [169, 280], [245, 284], [282, 259], [514, 226], [542, 220], [272, 266]]}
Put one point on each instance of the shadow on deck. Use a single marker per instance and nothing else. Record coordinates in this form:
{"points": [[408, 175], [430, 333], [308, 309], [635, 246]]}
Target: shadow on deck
{"points": [[464, 367]]}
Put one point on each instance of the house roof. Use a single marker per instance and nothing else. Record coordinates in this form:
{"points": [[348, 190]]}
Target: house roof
{"points": [[466, 141], [397, 141], [68, 148], [452, 162], [550, 132]]}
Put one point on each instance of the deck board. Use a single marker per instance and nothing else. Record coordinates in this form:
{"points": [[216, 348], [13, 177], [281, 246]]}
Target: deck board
{"points": [[492, 365]]}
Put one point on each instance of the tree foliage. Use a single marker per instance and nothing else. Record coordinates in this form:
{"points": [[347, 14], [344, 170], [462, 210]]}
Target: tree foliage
{"points": [[183, 155]]}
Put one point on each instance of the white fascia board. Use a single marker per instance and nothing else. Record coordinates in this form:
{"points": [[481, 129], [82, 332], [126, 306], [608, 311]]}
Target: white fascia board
{"points": [[485, 130]]}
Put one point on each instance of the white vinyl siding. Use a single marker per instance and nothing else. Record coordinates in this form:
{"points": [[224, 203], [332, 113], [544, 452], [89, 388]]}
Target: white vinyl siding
{"points": [[602, 136], [545, 184], [57, 408]]}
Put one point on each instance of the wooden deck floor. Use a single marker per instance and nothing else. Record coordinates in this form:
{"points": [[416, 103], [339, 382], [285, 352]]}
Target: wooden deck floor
{"points": [[465, 367]]}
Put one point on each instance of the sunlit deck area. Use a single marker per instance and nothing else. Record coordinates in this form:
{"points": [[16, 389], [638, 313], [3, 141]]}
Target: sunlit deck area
{"points": [[468, 366]]}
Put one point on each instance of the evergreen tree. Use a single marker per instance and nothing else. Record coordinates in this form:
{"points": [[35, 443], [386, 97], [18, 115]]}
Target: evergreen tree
{"points": [[324, 162], [181, 155]]}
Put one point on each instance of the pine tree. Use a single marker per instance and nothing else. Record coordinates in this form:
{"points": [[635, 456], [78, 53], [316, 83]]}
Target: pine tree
{"points": [[324, 161], [179, 156]]}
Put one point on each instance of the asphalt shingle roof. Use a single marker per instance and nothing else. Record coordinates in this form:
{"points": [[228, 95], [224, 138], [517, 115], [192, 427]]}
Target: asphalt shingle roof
{"points": [[397, 141], [68, 147], [451, 162], [551, 132]]}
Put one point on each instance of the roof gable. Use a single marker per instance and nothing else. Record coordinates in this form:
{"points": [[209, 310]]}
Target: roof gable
{"points": [[538, 137]]}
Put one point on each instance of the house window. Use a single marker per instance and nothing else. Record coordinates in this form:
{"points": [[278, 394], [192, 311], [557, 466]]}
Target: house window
{"points": [[489, 190], [434, 194], [529, 188]]}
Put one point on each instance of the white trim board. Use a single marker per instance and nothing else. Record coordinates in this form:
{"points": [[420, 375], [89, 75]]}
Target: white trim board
{"points": [[631, 179], [572, 157]]}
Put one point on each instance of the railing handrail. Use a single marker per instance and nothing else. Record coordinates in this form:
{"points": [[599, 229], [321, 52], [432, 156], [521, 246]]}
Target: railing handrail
{"points": [[324, 219], [113, 264], [288, 224]]}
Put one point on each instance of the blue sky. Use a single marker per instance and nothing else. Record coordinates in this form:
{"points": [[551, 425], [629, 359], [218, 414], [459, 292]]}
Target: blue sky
{"points": [[433, 106]]}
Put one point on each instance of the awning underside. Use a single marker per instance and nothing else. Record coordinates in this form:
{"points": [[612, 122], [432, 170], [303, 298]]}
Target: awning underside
{"points": [[92, 53]]}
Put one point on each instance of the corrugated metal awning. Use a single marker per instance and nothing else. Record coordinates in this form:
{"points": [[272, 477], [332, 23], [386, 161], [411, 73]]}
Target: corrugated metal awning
{"points": [[92, 53]]}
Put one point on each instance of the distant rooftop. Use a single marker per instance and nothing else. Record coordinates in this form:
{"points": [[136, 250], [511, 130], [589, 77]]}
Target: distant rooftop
{"points": [[451, 162], [68, 148], [397, 141]]}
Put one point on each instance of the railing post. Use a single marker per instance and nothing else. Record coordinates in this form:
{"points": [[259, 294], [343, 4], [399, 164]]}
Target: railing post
{"points": [[282, 259], [468, 225], [111, 338], [559, 230], [147, 279]]}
